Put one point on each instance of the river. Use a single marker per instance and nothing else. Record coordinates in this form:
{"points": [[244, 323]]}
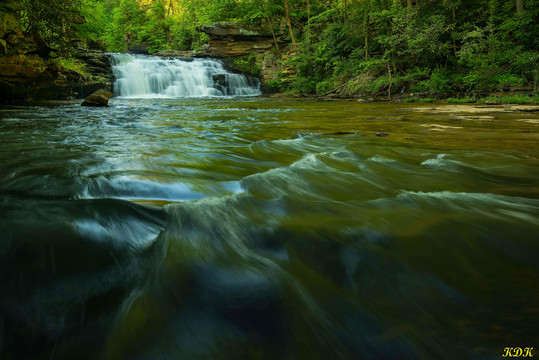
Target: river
{"points": [[260, 228]]}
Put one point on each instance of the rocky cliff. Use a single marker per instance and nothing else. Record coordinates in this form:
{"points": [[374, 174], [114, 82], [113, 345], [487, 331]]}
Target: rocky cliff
{"points": [[252, 51], [229, 40], [24, 75]]}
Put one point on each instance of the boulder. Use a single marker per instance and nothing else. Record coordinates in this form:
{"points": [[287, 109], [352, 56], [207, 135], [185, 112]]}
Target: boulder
{"points": [[99, 98]]}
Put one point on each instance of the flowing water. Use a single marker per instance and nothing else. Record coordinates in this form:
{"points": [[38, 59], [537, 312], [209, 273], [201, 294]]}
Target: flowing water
{"points": [[256, 228], [146, 76]]}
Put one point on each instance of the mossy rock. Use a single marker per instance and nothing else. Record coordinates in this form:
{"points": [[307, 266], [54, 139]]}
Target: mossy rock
{"points": [[100, 98]]}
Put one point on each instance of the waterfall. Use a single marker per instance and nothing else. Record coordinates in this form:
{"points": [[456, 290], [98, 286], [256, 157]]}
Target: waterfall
{"points": [[147, 76]]}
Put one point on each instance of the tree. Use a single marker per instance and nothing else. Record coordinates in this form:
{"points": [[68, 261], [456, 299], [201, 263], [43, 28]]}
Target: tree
{"points": [[289, 22], [520, 6], [158, 28], [126, 26], [50, 23]]}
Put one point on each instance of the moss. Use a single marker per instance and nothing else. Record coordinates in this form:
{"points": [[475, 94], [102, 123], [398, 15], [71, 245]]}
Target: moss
{"points": [[466, 100], [247, 64], [73, 65], [515, 99]]}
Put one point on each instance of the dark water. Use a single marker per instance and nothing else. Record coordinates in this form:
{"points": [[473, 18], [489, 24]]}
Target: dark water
{"points": [[267, 229]]}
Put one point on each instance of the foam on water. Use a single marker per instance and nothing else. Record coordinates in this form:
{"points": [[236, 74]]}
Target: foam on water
{"points": [[155, 77], [124, 187], [439, 160]]}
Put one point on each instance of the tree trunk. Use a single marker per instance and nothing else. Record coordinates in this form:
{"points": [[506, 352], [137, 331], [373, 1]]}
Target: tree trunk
{"points": [[273, 34], [271, 25], [409, 2], [309, 20], [520, 6], [367, 37], [454, 12], [390, 82], [289, 23]]}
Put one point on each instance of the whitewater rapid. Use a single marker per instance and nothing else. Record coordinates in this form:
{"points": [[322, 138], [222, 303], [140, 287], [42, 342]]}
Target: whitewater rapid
{"points": [[138, 76]]}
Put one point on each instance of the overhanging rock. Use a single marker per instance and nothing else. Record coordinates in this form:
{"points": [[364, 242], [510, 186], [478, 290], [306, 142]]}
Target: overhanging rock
{"points": [[231, 40]]}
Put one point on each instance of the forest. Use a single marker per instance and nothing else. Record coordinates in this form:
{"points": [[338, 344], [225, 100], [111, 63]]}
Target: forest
{"points": [[344, 47], [358, 179]]}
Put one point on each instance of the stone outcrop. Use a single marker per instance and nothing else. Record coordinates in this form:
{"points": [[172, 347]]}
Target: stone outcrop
{"points": [[234, 44], [29, 77], [229, 40], [254, 52], [24, 75], [99, 98], [187, 54]]}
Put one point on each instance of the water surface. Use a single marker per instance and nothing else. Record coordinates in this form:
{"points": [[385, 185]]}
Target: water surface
{"points": [[267, 228]]}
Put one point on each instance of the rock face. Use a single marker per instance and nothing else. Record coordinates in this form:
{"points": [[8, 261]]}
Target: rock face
{"points": [[229, 40], [24, 75], [235, 44], [99, 98]]}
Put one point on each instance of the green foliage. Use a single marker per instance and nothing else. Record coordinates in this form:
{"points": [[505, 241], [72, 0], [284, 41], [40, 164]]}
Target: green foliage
{"points": [[50, 23], [373, 46], [305, 85], [275, 85], [436, 47], [97, 19], [72, 64], [324, 87], [126, 27], [421, 100], [182, 38], [6, 7], [158, 29], [377, 85], [465, 100], [416, 41], [247, 64], [439, 82]]}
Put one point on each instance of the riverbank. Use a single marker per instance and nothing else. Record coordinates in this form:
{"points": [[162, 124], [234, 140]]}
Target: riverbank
{"points": [[492, 99], [28, 77], [26, 74]]}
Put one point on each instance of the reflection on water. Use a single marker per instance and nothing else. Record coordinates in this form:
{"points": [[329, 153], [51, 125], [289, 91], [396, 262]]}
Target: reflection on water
{"points": [[272, 229]]}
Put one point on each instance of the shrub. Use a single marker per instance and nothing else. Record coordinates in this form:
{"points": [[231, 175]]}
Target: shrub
{"points": [[439, 82], [324, 87]]}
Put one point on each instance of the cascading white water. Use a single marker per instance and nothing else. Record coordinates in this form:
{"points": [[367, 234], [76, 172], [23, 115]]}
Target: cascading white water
{"points": [[145, 76]]}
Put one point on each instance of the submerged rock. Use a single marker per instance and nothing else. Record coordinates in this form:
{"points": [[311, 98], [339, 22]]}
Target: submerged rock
{"points": [[99, 98]]}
